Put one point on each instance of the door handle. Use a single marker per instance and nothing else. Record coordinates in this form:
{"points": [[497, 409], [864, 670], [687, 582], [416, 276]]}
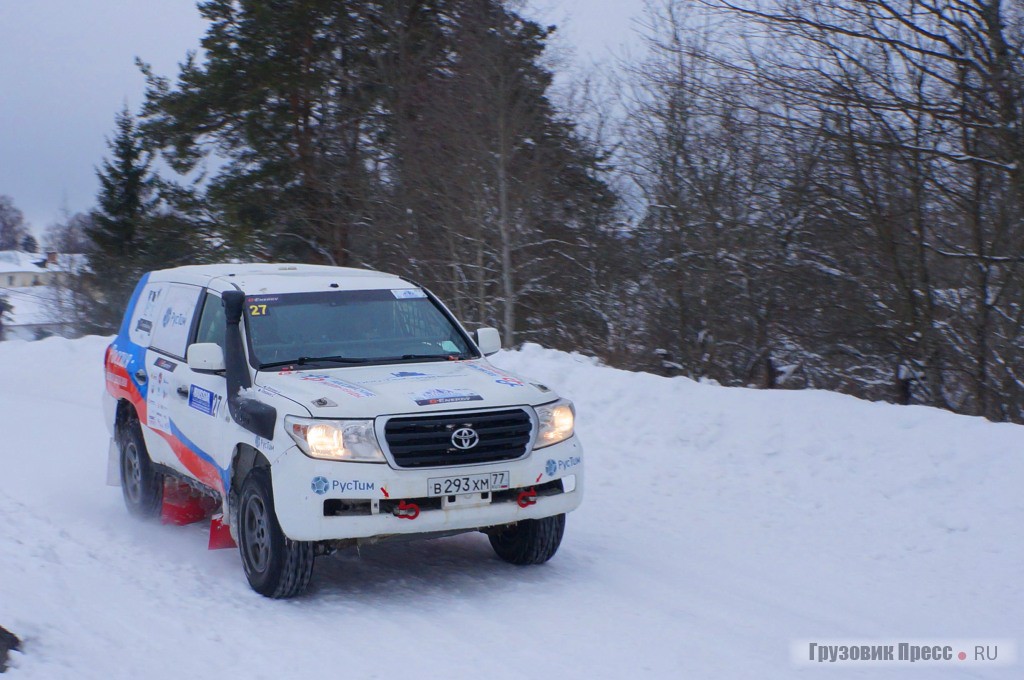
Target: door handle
{"points": [[182, 391], [140, 375]]}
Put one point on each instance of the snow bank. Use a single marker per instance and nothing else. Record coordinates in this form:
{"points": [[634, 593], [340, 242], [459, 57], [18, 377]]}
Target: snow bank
{"points": [[720, 525]]}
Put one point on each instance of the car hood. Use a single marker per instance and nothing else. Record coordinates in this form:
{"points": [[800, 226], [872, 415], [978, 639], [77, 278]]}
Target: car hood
{"points": [[370, 391]]}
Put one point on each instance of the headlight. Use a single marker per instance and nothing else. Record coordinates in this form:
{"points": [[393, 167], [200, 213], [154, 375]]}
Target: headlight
{"points": [[349, 440], [557, 420]]}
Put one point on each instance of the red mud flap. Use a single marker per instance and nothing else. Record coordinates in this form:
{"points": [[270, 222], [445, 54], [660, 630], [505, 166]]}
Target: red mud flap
{"points": [[182, 505], [220, 534]]}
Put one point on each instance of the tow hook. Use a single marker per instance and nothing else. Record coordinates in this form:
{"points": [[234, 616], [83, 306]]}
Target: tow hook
{"points": [[407, 510], [527, 498]]}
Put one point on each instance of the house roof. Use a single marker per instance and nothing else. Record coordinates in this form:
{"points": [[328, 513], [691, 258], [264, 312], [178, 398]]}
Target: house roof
{"points": [[15, 261]]}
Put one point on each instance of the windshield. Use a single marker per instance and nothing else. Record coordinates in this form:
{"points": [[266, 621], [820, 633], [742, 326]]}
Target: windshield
{"points": [[351, 326]]}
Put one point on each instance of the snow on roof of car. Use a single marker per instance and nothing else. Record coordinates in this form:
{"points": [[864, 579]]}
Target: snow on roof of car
{"points": [[280, 278]]}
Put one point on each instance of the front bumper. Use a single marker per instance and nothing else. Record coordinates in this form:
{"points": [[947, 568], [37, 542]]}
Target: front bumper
{"points": [[319, 500]]}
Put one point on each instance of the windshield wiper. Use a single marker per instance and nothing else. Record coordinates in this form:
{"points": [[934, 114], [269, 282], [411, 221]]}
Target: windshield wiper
{"points": [[302, 361]]}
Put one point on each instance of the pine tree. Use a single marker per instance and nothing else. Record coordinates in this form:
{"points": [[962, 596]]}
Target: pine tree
{"points": [[127, 202]]}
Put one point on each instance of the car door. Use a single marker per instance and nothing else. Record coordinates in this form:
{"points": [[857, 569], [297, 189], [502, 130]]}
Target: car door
{"points": [[168, 325], [200, 413]]}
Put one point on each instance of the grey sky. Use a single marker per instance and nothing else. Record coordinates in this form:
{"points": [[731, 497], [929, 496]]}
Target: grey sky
{"points": [[67, 67]]}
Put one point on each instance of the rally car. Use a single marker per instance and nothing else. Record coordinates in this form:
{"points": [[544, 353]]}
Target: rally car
{"points": [[306, 408]]}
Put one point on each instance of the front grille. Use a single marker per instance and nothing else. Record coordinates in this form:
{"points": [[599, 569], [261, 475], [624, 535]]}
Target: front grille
{"points": [[426, 441]]}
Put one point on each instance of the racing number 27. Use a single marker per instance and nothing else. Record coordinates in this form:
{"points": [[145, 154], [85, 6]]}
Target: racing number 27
{"points": [[257, 310]]}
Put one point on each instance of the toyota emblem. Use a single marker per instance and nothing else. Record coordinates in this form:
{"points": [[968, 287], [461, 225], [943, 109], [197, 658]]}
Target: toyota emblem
{"points": [[465, 438]]}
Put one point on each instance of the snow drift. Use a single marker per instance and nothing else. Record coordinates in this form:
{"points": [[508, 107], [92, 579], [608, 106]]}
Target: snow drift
{"points": [[720, 525]]}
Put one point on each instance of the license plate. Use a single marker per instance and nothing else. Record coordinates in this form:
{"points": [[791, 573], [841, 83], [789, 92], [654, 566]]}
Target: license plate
{"points": [[453, 486]]}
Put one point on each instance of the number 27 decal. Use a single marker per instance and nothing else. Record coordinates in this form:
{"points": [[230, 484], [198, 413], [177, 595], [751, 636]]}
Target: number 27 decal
{"points": [[257, 310]]}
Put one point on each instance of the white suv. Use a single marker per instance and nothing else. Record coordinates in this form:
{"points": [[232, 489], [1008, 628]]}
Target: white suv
{"points": [[317, 407]]}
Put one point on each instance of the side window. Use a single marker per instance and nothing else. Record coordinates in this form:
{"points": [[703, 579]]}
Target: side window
{"points": [[173, 320], [144, 315], [212, 322]]}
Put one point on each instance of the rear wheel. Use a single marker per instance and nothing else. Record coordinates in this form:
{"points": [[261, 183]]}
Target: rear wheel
{"points": [[141, 484], [275, 565], [530, 541]]}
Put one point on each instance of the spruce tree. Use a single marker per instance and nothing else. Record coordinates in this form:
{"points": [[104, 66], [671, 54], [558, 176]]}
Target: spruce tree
{"points": [[127, 202]]}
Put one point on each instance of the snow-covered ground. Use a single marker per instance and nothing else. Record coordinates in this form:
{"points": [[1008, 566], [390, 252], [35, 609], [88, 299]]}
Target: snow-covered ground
{"points": [[719, 527]]}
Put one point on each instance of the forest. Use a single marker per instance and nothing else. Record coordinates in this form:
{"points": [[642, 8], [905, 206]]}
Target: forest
{"points": [[792, 194]]}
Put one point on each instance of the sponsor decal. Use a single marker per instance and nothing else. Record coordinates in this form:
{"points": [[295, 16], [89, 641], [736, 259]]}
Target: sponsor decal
{"points": [[158, 420], [203, 400], [116, 379], [158, 416], [321, 485], [266, 389], [264, 444], [323, 402], [144, 325], [553, 467], [351, 389], [173, 318], [120, 358], [440, 395], [409, 376], [168, 366], [409, 294], [499, 377]]}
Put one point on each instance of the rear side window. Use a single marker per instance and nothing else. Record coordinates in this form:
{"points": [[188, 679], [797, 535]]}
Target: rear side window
{"points": [[212, 322], [173, 320], [144, 316]]}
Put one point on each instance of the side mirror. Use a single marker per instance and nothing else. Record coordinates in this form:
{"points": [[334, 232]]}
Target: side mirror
{"points": [[488, 340], [205, 356]]}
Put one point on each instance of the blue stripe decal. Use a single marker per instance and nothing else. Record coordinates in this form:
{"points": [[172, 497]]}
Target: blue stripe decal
{"points": [[123, 342], [224, 476]]}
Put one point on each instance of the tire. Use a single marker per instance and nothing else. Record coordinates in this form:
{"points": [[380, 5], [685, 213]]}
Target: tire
{"points": [[276, 566], [141, 484], [531, 541]]}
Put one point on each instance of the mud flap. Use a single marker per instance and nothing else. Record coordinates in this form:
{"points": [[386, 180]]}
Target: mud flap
{"points": [[220, 534], [113, 464], [182, 505]]}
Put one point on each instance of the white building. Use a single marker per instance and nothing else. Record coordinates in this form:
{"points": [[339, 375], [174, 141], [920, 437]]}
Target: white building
{"points": [[22, 270], [31, 283]]}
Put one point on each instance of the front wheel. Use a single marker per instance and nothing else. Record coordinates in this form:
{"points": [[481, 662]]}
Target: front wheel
{"points": [[275, 565], [530, 541]]}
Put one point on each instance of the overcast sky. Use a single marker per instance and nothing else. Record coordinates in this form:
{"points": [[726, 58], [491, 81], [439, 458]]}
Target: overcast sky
{"points": [[67, 67]]}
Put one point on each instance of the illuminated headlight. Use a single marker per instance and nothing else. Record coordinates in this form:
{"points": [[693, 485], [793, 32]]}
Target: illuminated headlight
{"points": [[557, 420], [347, 440]]}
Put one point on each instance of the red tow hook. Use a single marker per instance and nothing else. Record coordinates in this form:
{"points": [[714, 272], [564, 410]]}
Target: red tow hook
{"points": [[407, 510], [527, 498]]}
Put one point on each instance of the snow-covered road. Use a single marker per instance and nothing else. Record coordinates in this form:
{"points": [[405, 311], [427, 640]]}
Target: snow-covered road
{"points": [[719, 527]]}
